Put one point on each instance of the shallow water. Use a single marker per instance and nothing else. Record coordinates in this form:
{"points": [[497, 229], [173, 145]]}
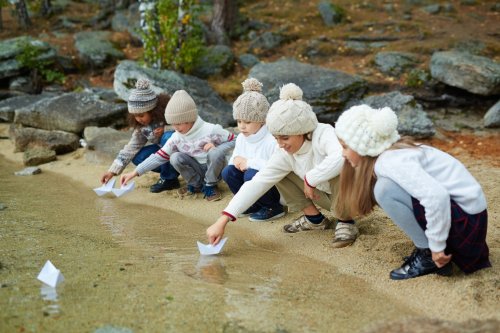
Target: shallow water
{"points": [[137, 269]]}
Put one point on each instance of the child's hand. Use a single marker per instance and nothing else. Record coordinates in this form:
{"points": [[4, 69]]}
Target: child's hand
{"points": [[208, 146], [240, 163], [440, 258], [158, 132], [106, 177], [127, 177], [309, 192], [216, 230]]}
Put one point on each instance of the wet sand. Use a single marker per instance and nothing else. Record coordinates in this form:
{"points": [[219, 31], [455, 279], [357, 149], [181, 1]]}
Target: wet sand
{"points": [[296, 282]]}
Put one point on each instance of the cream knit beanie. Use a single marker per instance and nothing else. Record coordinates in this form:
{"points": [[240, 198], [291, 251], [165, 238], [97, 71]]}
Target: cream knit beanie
{"points": [[142, 98], [181, 108], [290, 115], [368, 131], [251, 105]]}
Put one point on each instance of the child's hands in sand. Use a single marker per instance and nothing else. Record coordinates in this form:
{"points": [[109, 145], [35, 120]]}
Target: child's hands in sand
{"points": [[216, 230], [106, 177], [127, 177]]}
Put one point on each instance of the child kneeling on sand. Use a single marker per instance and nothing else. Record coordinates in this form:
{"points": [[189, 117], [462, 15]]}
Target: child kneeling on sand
{"points": [[254, 146], [429, 194], [146, 116], [304, 168], [197, 149]]}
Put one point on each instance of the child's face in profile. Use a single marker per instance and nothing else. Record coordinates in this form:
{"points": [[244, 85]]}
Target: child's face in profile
{"points": [[143, 118], [248, 128], [290, 143], [183, 128], [350, 155]]}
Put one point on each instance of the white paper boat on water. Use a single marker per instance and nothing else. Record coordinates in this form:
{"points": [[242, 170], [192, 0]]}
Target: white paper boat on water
{"points": [[105, 188], [124, 189], [209, 249], [50, 275]]}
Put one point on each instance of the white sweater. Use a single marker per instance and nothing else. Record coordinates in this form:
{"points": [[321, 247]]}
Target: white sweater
{"points": [[256, 148], [433, 177], [318, 160], [191, 143]]}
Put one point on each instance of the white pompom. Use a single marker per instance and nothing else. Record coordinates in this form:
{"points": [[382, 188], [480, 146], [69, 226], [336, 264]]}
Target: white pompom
{"points": [[291, 91], [142, 84], [252, 85], [384, 121]]}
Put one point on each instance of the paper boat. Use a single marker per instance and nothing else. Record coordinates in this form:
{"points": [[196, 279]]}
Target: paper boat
{"points": [[50, 275], [210, 249], [106, 188], [124, 189]]}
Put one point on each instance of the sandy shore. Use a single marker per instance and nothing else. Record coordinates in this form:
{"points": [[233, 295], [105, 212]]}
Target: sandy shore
{"points": [[379, 248]]}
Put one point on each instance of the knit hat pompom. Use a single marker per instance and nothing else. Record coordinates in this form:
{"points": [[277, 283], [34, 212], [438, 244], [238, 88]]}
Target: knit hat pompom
{"points": [[368, 131], [142, 99], [252, 84], [290, 115], [384, 121], [181, 108], [291, 91], [251, 105]]}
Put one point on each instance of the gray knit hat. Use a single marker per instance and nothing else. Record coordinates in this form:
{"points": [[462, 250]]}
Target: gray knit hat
{"points": [[142, 98], [290, 115], [181, 108], [251, 105]]}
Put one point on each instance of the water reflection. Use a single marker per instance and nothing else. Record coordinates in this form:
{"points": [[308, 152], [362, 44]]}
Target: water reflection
{"points": [[49, 295], [211, 269], [108, 216]]}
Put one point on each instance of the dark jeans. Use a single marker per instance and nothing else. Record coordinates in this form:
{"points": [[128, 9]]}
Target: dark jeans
{"points": [[166, 170], [235, 179]]}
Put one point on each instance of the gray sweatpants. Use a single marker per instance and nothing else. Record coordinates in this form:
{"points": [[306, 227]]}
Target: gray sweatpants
{"points": [[197, 174], [396, 203]]}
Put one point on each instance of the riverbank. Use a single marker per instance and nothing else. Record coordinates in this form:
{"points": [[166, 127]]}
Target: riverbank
{"points": [[379, 249]]}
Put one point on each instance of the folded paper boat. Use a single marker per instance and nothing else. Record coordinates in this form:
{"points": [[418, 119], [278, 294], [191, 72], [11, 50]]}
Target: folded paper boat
{"points": [[50, 275]]}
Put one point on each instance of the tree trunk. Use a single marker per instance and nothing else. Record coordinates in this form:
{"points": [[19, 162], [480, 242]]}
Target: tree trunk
{"points": [[46, 8], [225, 15], [22, 14], [1, 19]]}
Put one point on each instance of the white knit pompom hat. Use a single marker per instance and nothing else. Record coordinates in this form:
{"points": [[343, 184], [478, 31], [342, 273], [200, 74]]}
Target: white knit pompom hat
{"points": [[368, 131], [290, 115], [251, 105]]}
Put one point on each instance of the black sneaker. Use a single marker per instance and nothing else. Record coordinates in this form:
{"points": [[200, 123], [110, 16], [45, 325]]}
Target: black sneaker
{"points": [[164, 185], [419, 263], [267, 214]]}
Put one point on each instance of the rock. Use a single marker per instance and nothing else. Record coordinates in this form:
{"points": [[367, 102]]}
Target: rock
{"points": [[248, 60], [218, 60], [58, 141], [267, 42], [70, 112], [37, 156], [476, 74], [412, 119], [9, 106], [95, 50], [128, 20], [103, 143], [326, 90], [330, 13], [492, 117], [30, 171], [211, 106], [395, 63], [2, 207]]}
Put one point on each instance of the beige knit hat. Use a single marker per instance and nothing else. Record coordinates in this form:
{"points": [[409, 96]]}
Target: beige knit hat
{"points": [[181, 108], [142, 98], [290, 115], [368, 131], [251, 105]]}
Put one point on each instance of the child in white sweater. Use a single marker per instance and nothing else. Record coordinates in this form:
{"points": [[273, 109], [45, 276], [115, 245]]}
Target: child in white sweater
{"points": [[197, 149], [429, 194], [304, 168], [254, 146]]}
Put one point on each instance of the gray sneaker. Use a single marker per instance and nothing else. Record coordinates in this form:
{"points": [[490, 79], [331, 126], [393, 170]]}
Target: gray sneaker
{"points": [[303, 224], [345, 234]]}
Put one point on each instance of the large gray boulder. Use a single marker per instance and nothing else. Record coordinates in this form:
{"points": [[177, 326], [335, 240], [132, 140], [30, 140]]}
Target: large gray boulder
{"points": [[492, 117], [326, 90], [412, 119], [70, 112], [211, 106], [9, 106], [104, 143], [476, 74], [95, 49], [58, 141]]}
